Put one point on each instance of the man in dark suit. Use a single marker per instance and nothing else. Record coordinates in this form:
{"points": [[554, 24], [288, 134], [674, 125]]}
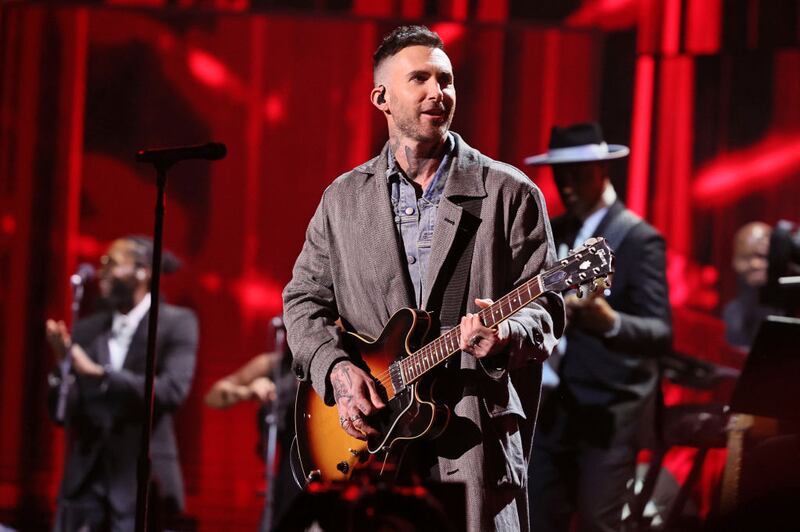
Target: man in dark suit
{"points": [[604, 384], [104, 406]]}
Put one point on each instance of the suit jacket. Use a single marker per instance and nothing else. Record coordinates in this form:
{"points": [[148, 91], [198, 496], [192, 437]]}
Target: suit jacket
{"points": [[104, 416], [609, 386], [351, 267]]}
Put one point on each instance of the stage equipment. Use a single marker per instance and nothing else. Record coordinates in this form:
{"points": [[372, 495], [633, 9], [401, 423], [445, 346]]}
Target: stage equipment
{"points": [[78, 280], [162, 160], [212, 151], [771, 372], [368, 502], [783, 273], [271, 425], [764, 406]]}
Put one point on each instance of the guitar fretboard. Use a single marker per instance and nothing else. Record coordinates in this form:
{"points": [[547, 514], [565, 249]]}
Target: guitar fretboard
{"points": [[420, 362]]}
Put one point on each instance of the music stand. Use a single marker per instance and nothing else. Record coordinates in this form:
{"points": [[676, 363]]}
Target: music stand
{"points": [[768, 384]]}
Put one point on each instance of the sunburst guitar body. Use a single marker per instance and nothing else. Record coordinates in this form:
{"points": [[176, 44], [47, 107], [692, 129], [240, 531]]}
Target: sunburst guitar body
{"points": [[411, 412]]}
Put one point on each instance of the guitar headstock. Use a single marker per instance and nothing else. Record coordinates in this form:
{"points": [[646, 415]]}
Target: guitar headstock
{"points": [[587, 266]]}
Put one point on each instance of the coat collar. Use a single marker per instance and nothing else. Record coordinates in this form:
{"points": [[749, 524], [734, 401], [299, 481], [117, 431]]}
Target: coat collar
{"points": [[464, 180], [138, 345]]}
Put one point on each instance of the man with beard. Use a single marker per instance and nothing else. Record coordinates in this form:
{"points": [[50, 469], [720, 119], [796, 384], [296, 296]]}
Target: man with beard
{"points": [[390, 234], [105, 403]]}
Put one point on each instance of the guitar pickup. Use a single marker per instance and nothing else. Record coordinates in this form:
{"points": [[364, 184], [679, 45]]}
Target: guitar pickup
{"points": [[396, 377]]}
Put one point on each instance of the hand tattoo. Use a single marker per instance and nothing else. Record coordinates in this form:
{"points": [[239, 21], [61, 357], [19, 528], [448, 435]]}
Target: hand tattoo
{"points": [[342, 383]]}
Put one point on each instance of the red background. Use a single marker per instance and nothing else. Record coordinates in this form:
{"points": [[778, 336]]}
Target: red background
{"points": [[706, 93]]}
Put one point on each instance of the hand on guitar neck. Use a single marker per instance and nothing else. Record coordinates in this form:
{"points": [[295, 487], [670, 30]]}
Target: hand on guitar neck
{"points": [[591, 313], [479, 340], [356, 398]]}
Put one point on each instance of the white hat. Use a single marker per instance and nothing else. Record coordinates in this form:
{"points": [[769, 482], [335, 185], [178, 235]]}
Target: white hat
{"points": [[577, 144]]}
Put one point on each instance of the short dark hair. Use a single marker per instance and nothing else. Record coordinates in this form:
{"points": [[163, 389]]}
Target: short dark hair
{"points": [[142, 251], [403, 37]]}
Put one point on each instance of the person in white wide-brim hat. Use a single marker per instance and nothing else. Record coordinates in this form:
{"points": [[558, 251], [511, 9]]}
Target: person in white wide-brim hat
{"points": [[577, 144], [603, 376]]}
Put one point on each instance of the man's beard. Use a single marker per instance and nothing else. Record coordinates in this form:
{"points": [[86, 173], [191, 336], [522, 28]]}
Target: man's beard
{"points": [[119, 298], [414, 129]]}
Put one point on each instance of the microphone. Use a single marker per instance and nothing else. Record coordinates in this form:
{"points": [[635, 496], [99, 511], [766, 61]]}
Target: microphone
{"points": [[168, 156], [280, 334], [82, 275], [78, 280]]}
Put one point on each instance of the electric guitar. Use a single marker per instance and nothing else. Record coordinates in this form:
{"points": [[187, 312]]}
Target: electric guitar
{"points": [[402, 365]]}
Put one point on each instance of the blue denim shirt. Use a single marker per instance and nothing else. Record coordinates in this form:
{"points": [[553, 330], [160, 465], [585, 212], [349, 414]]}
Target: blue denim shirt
{"points": [[415, 218]]}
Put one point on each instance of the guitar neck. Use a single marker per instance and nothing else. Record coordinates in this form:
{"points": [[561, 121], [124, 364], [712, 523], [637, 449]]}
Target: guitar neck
{"points": [[431, 355]]}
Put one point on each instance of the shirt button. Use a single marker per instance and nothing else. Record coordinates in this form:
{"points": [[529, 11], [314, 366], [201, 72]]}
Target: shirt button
{"points": [[409, 210], [411, 259]]}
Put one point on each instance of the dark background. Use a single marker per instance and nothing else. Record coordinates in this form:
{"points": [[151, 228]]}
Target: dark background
{"points": [[706, 93]]}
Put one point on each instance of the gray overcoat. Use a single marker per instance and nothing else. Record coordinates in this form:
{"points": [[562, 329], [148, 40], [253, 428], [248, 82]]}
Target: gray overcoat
{"points": [[351, 266]]}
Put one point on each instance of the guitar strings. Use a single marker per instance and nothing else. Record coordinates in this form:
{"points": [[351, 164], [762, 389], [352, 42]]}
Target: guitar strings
{"points": [[415, 358]]}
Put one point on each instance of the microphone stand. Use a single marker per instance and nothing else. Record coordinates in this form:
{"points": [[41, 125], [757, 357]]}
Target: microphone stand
{"points": [[144, 465], [271, 420], [162, 160], [66, 364]]}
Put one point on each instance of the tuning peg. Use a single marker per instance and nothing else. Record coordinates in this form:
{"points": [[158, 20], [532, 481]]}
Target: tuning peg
{"points": [[579, 291]]}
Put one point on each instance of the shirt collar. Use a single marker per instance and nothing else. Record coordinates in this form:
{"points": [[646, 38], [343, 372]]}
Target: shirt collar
{"points": [[136, 313], [607, 199], [394, 169]]}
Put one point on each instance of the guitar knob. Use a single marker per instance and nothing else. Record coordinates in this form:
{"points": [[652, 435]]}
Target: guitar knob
{"points": [[314, 475], [343, 467]]}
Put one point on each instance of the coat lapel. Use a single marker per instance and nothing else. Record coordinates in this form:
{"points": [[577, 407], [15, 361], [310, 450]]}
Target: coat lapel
{"points": [[465, 181], [138, 346], [100, 348], [565, 229], [375, 221], [613, 212]]}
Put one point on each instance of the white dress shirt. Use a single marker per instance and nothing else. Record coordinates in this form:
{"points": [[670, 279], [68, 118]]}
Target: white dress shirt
{"points": [[550, 377], [123, 327]]}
